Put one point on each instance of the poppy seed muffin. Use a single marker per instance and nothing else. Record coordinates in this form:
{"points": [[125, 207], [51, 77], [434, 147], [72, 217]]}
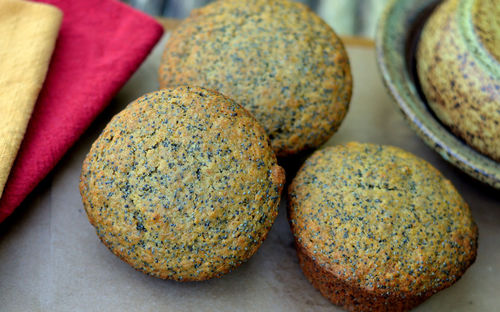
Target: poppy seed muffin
{"points": [[458, 65], [378, 229], [276, 58], [182, 184]]}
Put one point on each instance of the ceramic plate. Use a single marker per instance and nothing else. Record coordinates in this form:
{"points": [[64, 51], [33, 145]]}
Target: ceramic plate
{"points": [[397, 35]]}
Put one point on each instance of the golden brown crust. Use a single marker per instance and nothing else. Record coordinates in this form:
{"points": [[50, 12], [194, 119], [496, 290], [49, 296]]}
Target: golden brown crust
{"points": [[486, 22], [182, 184], [348, 295], [276, 58], [378, 229], [462, 88]]}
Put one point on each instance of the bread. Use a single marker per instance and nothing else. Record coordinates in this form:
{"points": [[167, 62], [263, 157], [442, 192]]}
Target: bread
{"points": [[276, 58], [378, 229], [458, 65], [182, 184]]}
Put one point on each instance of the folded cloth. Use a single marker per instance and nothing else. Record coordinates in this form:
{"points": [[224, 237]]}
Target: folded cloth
{"points": [[101, 43], [28, 33]]}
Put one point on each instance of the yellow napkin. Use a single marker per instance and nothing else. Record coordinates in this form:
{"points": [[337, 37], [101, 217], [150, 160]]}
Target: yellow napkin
{"points": [[28, 32]]}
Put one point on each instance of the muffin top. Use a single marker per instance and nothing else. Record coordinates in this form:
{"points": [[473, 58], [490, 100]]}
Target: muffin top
{"points": [[182, 184], [381, 219], [486, 23], [276, 58], [459, 70]]}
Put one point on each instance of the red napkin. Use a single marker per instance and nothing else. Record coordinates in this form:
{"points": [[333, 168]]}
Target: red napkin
{"points": [[100, 45]]}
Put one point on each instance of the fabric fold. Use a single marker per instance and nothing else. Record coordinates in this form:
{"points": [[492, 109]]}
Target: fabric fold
{"points": [[101, 43], [28, 33]]}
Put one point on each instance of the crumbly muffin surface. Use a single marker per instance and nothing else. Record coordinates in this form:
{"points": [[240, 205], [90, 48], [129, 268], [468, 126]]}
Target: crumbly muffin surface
{"points": [[458, 65], [276, 58], [381, 221], [182, 184]]}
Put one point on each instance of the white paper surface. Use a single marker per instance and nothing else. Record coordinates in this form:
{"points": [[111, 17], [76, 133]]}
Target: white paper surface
{"points": [[52, 260]]}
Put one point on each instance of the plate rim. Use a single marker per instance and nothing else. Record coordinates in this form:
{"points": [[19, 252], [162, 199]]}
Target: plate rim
{"points": [[462, 156]]}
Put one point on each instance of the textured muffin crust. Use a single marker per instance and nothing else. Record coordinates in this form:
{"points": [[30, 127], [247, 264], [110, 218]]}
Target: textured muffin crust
{"points": [[276, 58], [486, 24], [378, 229], [458, 65], [182, 184]]}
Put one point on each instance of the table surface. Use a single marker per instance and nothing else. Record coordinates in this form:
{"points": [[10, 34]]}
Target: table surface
{"points": [[52, 260]]}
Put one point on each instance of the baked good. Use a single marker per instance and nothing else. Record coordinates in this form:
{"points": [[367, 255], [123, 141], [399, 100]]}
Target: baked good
{"points": [[458, 64], [378, 229], [276, 58], [182, 184]]}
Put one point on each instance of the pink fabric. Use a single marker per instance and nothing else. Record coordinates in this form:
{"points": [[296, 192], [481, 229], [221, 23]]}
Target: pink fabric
{"points": [[100, 45]]}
